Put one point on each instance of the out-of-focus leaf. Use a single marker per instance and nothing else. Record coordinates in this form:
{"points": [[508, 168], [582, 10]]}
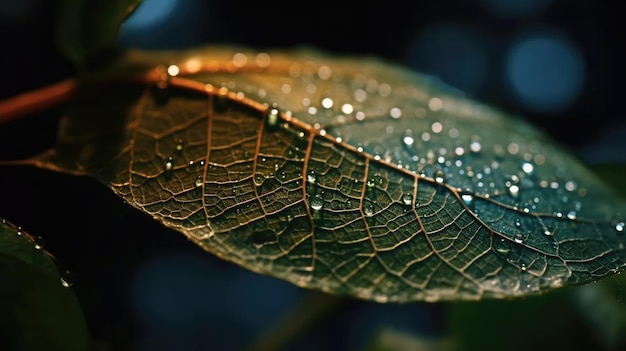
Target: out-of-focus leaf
{"points": [[593, 317], [612, 174], [352, 176], [388, 339], [86, 29], [36, 311]]}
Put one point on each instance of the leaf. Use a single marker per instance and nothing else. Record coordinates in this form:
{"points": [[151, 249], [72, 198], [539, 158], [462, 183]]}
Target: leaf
{"points": [[352, 176], [87, 29], [36, 311]]}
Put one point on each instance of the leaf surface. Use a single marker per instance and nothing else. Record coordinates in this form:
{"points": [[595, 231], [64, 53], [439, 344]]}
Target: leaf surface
{"points": [[352, 176]]}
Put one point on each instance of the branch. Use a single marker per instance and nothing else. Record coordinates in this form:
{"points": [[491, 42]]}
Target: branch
{"points": [[36, 100]]}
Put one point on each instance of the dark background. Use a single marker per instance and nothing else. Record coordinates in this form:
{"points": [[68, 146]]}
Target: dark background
{"points": [[146, 288]]}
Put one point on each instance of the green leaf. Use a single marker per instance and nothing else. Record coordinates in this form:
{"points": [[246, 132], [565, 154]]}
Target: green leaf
{"points": [[352, 176], [36, 311], [87, 29]]}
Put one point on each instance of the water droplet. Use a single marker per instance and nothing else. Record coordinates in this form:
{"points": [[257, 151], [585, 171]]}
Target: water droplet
{"points": [[395, 113], [407, 198], [67, 278], [547, 231], [368, 209], [570, 185], [528, 167], [371, 182], [327, 103], [468, 199], [311, 177], [316, 202], [620, 226], [259, 179], [169, 164], [502, 246], [39, 242], [475, 146], [571, 214], [518, 223], [514, 190], [179, 145], [408, 140], [440, 176], [272, 116], [199, 181], [518, 238]]}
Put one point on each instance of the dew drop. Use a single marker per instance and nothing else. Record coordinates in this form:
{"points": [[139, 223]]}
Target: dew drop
{"points": [[502, 246], [371, 182], [518, 238], [67, 278], [407, 198], [468, 199], [408, 139], [571, 214], [475, 146], [169, 164], [518, 223], [39, 242], [179, 145], [528, 167], [311, 177], [440, 176], [272, 116], [368, 209], [546, 231], [199, 181], [620, 226], [570, 185], [259, 179], [514, 190], [316, 202]]}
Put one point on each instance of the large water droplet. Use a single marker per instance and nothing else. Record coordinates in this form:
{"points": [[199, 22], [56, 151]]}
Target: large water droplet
{"points": [[199, 181], [518, 238], [502, 246], [368, 209], [407, 198], [371, 182], [514, 190], [620, 226], [259, 179], [316, 202], [468, 199], [440, 176]]}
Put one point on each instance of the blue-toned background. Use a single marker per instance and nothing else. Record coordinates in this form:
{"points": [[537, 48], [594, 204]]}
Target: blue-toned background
{"points": [[560, 63]]}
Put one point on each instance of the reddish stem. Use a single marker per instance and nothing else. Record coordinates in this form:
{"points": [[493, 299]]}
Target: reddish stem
{"points": [[36, 100]]}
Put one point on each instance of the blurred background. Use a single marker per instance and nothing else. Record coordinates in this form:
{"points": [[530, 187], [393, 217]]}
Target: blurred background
{"points": [[558, 63]]}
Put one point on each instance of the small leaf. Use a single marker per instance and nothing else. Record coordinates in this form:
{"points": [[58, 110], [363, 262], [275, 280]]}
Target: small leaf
{"points": [[352, 176], [86, 29], [36, 311]]}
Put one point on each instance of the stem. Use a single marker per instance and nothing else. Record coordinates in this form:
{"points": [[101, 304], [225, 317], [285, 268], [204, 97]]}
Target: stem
{"points": [[36, 100], [312, 308]]}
